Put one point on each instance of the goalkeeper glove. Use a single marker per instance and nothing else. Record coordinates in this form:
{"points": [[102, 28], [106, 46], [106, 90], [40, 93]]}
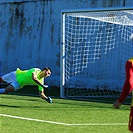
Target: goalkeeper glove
{"points": [[46, 86], [49, 100]]}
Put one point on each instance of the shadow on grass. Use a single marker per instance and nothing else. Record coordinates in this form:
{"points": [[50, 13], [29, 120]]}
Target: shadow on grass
{"points": [[59, 103], [11, 106], [89, 105], [20, 97], [19, 106]]}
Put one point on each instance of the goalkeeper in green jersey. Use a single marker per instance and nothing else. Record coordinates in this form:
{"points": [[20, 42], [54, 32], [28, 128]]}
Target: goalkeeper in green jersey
{"points": [[20, 78]]}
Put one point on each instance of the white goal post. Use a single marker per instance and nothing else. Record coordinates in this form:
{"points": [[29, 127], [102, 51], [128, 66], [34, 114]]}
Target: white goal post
{"points": [[95, 45]]}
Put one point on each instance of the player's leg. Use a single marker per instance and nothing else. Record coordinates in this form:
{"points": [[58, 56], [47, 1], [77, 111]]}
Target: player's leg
{"points": [[130, 126], [2, 90], [8, 78], [1, 80], [11, 88]]}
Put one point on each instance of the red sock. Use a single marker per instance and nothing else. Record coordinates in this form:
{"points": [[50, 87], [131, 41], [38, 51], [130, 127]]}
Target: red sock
{"points": [[1, 80]]}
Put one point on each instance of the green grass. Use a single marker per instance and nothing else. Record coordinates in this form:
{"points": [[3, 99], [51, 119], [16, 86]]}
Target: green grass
{"points": [[61, 111]]}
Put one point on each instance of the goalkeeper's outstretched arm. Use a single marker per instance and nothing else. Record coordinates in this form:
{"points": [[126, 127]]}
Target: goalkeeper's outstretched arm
{"points": [[43, 96], [36, 80]]}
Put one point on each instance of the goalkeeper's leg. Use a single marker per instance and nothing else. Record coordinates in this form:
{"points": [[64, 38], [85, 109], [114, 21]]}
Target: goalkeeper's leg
{"points": [[11, 88], [1, 80], [9, 77]]}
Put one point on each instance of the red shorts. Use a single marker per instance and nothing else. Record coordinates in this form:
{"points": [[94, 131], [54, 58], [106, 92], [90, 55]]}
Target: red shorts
{"points": [[130, 125]]}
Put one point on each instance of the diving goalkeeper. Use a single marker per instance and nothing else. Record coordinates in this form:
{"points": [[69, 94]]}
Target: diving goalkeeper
{"points": [[20, 78]]}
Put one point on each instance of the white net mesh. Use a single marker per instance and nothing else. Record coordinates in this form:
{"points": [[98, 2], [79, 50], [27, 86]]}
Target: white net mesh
{"points": [[97, 46]]}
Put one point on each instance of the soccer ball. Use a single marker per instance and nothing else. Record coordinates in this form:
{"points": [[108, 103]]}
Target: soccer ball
{"points": [[131, 37]]}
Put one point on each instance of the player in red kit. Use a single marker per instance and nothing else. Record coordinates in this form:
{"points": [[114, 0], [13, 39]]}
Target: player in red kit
{"points": [[127, 88]]}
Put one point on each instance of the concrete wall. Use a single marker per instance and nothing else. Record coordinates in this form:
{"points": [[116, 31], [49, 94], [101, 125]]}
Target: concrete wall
{"points": [[30, 32]]}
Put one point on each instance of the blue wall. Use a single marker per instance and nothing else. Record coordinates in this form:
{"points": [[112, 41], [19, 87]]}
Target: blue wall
{"points": [[30, 32]]}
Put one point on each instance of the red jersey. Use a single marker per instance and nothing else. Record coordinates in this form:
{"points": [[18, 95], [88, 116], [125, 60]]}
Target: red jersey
{"points": [[128, 85]]}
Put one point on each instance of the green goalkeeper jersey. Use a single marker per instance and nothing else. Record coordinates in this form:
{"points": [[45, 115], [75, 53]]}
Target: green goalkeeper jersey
{"points": [[25, 77]]}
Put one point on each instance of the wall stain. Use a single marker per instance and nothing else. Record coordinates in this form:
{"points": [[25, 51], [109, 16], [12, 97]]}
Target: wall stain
{"points": [[52, 32], [124, 2], [58, 59]]}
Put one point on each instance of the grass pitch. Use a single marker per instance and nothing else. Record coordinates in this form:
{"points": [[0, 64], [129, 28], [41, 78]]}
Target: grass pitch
{"points": [[26, 114]]}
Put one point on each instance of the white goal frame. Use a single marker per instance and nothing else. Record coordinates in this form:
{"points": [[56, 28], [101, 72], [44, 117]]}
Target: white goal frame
{"points": [[62, 46]]}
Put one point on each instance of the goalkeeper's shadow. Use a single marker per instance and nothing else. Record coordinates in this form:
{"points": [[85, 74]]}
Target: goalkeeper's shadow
{"points": [[76, 103]]}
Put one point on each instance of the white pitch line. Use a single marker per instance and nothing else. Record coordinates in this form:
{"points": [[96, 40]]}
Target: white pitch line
{"points": [[61, 123]]}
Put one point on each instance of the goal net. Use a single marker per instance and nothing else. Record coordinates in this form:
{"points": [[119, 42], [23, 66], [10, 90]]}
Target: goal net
{"points": [[95, 46]]}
